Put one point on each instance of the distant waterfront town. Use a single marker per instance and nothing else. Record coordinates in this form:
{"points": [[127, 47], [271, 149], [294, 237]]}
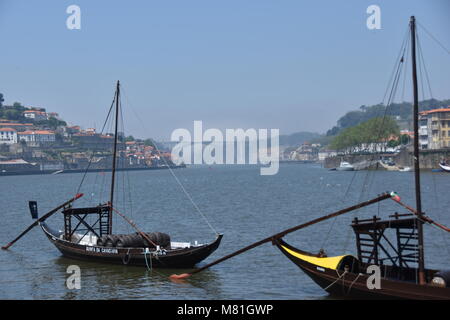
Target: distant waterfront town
{"points": [[361, 140], [33, 140]]}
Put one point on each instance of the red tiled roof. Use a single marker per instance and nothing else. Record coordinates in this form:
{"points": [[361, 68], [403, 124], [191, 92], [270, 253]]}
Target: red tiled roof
{"points": [[14, 124], [8, 129], [37, 132], [34, 111], [436, 111]]}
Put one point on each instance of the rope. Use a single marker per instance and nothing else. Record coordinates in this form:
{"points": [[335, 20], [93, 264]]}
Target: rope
{"points": [[92, 155], [173, 174], [142, 234], [146, 262], [127, 255], [432, 37], [421, 58], [339, 278], [353, 282], [392, 85]]}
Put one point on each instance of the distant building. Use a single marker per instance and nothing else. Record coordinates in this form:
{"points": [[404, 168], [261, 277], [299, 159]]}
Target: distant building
{"points": [[17, 126], [306, 152], [17, 165], [36, 115], [423, 131], [53, 115], [94, 141], [37, 138], [8, 136], [326, 154], [434, 131]]}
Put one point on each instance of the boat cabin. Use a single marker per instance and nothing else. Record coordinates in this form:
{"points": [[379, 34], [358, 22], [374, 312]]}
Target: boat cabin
{"points": [[393, 243]]}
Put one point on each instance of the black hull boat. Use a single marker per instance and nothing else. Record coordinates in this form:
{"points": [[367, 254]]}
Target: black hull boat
{"points": [[389, 252], [390, 260], [88, 233], [179, 255], [331, 275]]}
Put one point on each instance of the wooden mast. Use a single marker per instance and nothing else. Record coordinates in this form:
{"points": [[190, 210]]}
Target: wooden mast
{"points": [[114, 160], [416, 152]]}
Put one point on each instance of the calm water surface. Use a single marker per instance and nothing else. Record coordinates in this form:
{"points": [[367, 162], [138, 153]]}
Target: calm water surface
{"points": [[237, 201]]}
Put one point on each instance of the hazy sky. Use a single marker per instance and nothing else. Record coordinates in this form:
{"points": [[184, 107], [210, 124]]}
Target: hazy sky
{"points": [[293, 65]]}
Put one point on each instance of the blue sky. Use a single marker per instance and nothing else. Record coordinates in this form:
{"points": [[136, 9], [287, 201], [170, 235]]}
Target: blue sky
{"points": [[293, 65]]}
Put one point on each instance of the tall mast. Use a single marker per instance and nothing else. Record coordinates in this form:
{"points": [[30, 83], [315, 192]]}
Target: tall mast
{"points": [[114, 160], [416, 152]]}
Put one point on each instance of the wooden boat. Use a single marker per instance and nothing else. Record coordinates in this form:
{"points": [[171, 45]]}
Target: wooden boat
{"points": [[393, 167], [347, 276], [178, 255], [87, 233], [389, 166], [400, 262]]}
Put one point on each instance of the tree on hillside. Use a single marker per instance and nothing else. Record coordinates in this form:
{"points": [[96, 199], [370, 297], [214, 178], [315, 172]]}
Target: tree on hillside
{"points": [[51, 123], [149, 142], [1, 100], [14, 112], [403, 110], [371, 134]]}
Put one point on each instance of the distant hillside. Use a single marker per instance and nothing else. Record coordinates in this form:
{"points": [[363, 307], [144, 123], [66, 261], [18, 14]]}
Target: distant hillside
{"points": [[299, 138], [402, 110]]}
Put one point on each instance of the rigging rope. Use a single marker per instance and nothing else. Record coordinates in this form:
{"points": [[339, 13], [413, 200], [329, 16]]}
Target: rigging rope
{"points": [[432, 37], [92, 155], [422, 60], [369, 177], [340, 276], [172, 173]]}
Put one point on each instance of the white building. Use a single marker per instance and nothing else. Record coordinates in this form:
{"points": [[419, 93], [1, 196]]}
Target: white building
{"points": [[8, 136], [326, 154], [35, 115], [37, 138], [423, 132]]}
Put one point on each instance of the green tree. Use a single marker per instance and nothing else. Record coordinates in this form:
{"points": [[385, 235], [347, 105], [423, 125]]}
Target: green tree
{"points": [[401, 109], [393, 143], [51, 123], [12, 114], [149, 142], [404, 139], [372, 133]]}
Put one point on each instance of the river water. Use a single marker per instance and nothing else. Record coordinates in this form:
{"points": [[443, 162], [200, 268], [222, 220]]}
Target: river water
{"points": [[236, 200]]}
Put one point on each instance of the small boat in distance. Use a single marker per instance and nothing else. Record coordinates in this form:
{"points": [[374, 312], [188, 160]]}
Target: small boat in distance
{"points": [[444, 166], [345, 166]]}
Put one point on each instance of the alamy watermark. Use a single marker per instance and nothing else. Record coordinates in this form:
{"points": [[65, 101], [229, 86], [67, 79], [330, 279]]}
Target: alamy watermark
{"points": [[374, 280], [73, 21], [373, 22], [74, 280], [236, 146]]}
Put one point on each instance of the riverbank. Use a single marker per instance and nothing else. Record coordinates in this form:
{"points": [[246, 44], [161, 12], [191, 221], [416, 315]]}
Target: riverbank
{"points": [[38, 172], [429, 159]]}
